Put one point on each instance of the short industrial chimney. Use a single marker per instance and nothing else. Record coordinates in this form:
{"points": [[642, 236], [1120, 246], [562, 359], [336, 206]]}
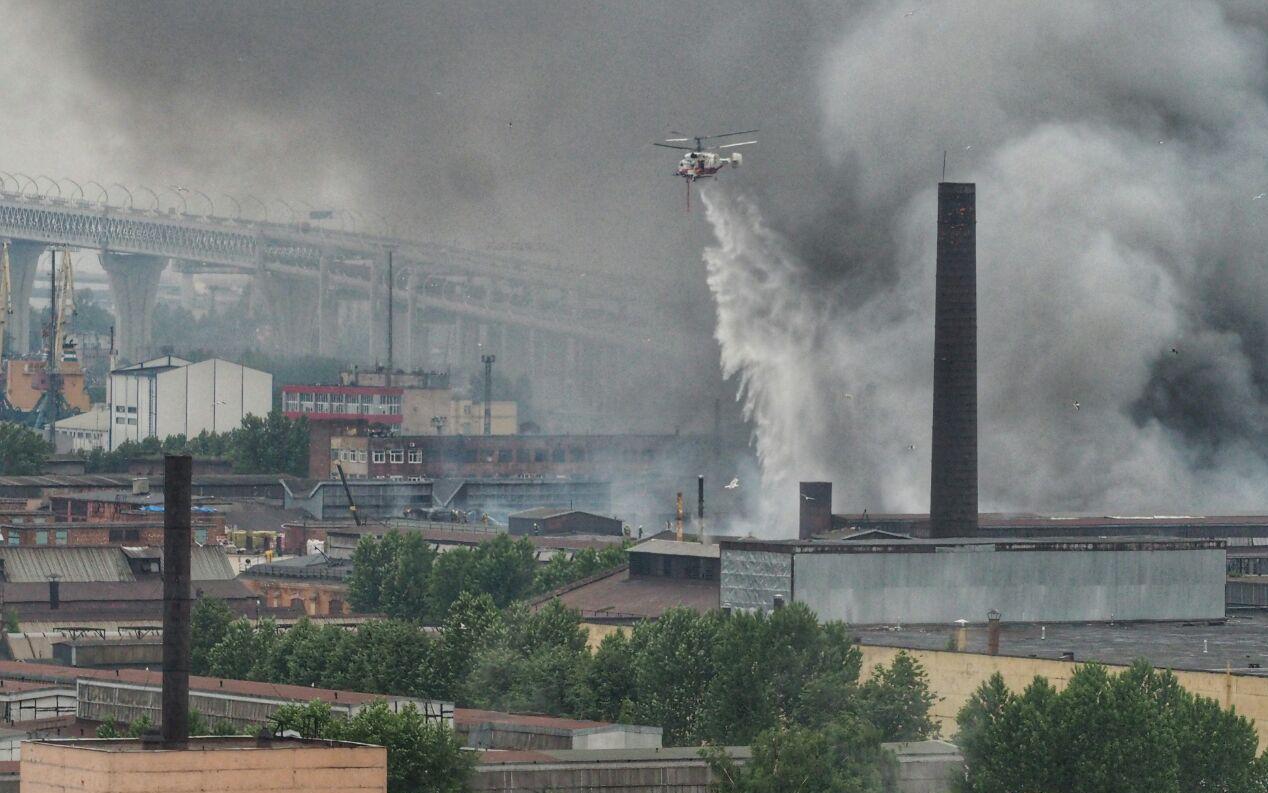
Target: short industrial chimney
{"points": [[816, 509], [177, 537], [953, 479]]}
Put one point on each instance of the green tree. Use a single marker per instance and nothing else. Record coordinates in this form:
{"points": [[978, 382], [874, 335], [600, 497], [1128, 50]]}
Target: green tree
{"points": [[273, 444], [897, 700], [673, 664], [209, 622], [422, 756], [609, 682], [844, 757], [370, 562], [22, 452], [472, 624], [405, 579], [1135, 731], [246, 652], [108, 729]]}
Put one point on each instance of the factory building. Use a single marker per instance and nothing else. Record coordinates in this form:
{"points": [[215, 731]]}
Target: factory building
{"points": [[872, 582], [170, 396]]}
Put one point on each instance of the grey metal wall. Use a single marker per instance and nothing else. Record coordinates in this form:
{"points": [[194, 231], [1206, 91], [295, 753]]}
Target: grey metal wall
{"points": [[1025, 586], [752, 579]]}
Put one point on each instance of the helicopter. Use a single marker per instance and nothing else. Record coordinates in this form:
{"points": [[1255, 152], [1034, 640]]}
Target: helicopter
{"points": [[702, 162]]}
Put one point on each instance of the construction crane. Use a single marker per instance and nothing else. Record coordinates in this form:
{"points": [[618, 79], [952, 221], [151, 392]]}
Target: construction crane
{"points": [[61, 348], [347, 491]]}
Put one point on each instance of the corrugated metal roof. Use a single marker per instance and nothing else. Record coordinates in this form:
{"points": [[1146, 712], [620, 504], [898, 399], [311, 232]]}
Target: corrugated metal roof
{"points": [[210, 563], [37, 565], [675, 548]]}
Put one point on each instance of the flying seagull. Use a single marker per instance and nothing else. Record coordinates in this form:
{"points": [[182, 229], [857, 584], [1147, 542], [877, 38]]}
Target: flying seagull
{"points": [[806, 497], [734, 483], [1076, 405], [1260, 196], [1174, 351], [911, 447]]}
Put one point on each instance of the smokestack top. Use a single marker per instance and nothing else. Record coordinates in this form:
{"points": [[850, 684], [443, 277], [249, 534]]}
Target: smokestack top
{"points": [[815, 510]]}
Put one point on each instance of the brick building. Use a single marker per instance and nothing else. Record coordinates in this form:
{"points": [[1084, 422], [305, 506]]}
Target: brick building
{"points": [[147, 532]]}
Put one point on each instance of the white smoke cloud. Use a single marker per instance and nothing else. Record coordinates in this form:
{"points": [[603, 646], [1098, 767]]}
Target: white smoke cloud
{"points": [[1118, 153]]}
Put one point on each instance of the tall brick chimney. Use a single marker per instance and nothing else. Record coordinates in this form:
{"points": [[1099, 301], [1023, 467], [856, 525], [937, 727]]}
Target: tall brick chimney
{"points": [[953, 479]]}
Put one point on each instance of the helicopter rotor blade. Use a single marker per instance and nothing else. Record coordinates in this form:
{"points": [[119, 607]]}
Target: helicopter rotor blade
{"points": [[729, 134], [671, 146], [677, 140], [733, 145]]}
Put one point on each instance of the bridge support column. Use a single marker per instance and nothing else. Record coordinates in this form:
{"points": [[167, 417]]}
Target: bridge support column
{"points": [[293, 304], [24, 257], [325, 314], [134, 283]]}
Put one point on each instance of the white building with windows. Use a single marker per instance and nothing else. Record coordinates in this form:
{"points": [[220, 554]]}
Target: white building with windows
{"points": [[170, 396], [83, 432]]}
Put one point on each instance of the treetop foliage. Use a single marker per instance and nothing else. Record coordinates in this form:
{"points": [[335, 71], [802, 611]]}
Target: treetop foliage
{"points": [[1137, 731]]}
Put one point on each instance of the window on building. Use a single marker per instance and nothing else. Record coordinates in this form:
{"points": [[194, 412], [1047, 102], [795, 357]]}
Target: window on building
{"points": [[557, 456], [336, 403], [290, 402], [60, 537], [15, 538], [41, 536], [504, 455], [116, 535], [336, 454], [415, 455], [396, 456], [523, 455], [667, 566], [378, 456], [200, 536], [131, 535], [360, 455], [577, 454], [392, 405], [323, 403], [539, 455]]}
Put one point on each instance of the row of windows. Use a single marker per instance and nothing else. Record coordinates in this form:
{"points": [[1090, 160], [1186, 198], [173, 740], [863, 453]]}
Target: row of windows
{"points": [[348, 455], [396, 456], [60, 537], [127, 421], [361, 404]]}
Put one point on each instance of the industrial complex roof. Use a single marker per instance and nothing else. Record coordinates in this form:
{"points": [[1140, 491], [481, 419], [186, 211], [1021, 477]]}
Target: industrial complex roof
{"points": [[929, 545], [26, 564], [1211, 646], [675, 548], [617, 596]]}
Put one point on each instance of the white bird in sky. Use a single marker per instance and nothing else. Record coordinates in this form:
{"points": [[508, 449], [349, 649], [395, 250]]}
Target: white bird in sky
{"points": [[911, 447], [806, 497], [1258, 197], [1076, 405], [734, 483]]}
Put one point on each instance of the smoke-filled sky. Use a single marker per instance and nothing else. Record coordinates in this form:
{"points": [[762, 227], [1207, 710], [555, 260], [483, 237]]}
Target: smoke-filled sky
{"points": [[1118, 150]]}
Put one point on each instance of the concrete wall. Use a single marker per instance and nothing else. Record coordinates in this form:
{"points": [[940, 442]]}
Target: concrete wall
{"points": [[1038, 586], [229, 765], [953, 677]]}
